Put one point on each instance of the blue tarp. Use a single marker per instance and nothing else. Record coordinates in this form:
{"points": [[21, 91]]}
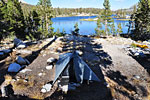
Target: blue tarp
{"points": [[82, 70]]}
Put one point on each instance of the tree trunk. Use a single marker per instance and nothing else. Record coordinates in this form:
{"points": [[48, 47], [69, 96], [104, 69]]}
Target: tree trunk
{"points": [[106, 28], [47, 23]]}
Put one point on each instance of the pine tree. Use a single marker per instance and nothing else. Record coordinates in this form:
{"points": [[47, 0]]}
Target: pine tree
{"points": [[142, 20], [113, 30], [99, 27], [45, 11], [13, 16], [1, 23], [119, 30], [32, 24], [76, 31], [106, 15], [63, 32]]}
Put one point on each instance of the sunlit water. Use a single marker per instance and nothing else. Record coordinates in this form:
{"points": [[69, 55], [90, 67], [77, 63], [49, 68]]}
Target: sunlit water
{"points": [[86, 27]]}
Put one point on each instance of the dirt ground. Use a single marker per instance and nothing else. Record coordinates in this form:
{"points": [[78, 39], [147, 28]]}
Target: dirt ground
{"points": [[123, 77]]}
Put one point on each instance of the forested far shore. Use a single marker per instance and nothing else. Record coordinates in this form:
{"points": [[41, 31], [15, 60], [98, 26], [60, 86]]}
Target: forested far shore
{"points": [[60, 12]]}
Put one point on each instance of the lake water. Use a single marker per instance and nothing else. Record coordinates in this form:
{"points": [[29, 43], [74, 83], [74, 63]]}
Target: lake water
{"points": [[86, 27]]}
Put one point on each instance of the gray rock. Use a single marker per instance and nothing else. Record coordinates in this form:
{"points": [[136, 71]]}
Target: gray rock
{"points": [[24, 51], [21, 46], [64, 88], [6, 51], [137, 77], [1, 53], [40, 74], [59, 49], [14, 67], [46, 88], [51, 60], [136, 53], [79, 52], [21, 61], [43, 90], [17, 41], [25, 70], [49, 67]]}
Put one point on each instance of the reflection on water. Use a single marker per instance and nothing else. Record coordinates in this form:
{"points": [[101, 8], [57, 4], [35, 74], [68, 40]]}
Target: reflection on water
{"points": [[86, 27]]}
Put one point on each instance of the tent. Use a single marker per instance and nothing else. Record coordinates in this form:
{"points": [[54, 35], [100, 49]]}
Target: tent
{"points": [[80, 69]]}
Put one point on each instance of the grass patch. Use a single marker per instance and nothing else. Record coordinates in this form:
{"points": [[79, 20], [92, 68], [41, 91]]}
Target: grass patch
{"points": [[89, 19], [37, 95], [21, 84]]}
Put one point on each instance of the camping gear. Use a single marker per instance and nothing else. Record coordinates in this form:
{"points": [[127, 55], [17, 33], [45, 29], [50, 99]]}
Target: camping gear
{"points": [[71, 65]]}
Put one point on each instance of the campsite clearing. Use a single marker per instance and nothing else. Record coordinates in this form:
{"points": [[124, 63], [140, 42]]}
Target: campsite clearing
{"points": [[123, 77]]}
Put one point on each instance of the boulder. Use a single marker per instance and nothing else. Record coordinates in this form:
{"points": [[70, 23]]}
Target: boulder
{"points": [[64, 88], [6, 51], [24, 52], [1, 53], [21, 61], [14, 67], [49, 67], [25, 70], [46, 88], [51, 60], [17, 41], [21, 46], [79, 52], [40, 74], [59, 49]]}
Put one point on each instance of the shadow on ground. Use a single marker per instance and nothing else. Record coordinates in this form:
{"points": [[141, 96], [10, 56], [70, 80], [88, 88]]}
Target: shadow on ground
{"points": [[126, 88], [35, 54], [96, 59], [144, 62]]}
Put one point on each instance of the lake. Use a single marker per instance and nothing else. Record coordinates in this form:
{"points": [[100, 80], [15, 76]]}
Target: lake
{"points": [[86, 27]]}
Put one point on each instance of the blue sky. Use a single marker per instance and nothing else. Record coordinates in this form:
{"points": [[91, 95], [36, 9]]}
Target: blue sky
{"points": [[115, 4]]}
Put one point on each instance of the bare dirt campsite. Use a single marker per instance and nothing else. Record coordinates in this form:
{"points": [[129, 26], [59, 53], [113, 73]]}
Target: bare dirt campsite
{"points": [[122, 68]]}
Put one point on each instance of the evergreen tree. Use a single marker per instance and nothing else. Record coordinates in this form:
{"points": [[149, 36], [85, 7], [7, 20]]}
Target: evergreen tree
{"points": [[142, 20], [45, 11], [76, 31], [64, 32], [98, 28], [106, 15], [3, 25], [13, 16], [113, 30], [58, 31], [119, 30], [32, 24]]}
